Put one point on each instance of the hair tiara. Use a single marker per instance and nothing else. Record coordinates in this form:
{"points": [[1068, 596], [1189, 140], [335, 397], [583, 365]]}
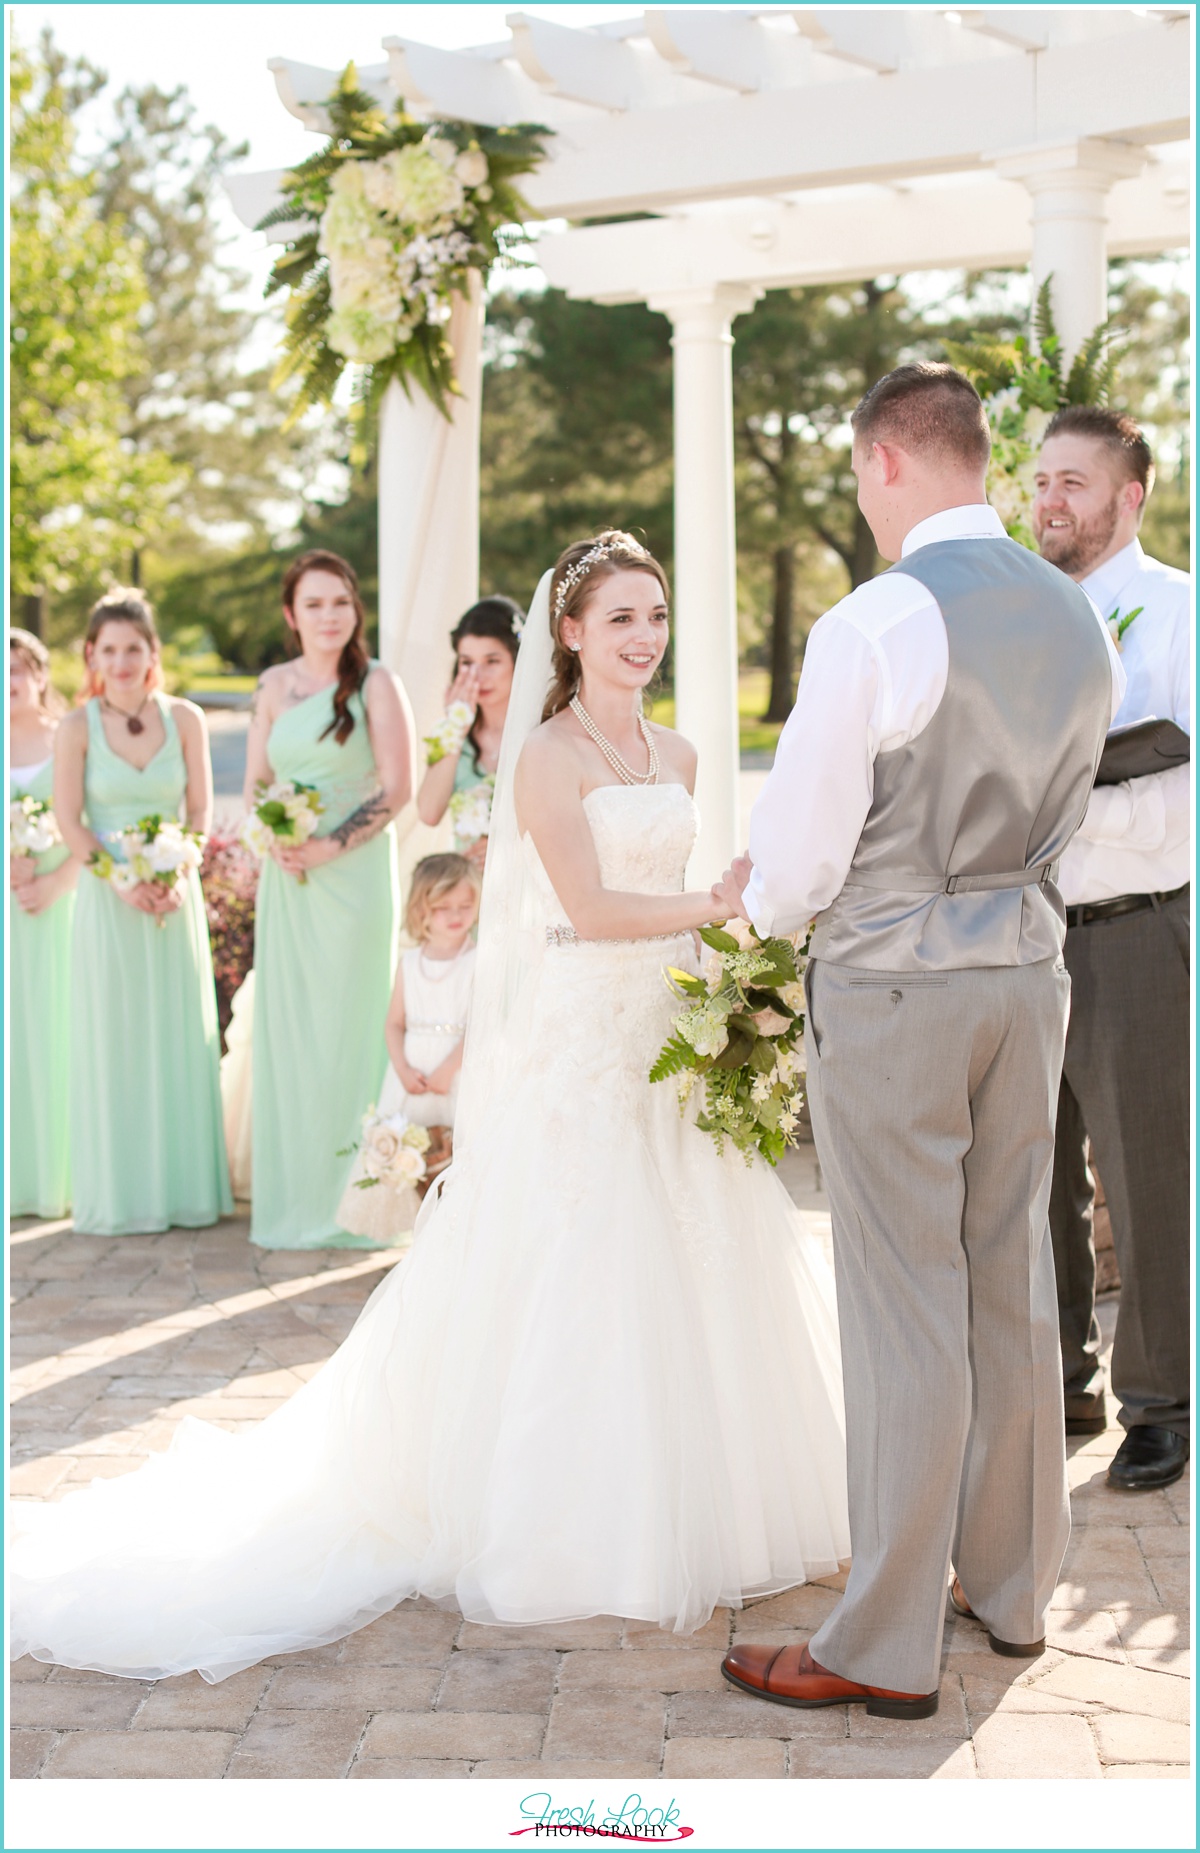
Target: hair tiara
{"points": [[603, 550]]}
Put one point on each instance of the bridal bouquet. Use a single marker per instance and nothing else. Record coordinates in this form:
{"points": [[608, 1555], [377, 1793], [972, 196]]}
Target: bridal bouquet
{"points": [[450, 732], [738, 1036], [287, 810], [471, 810], [393, 1150], [32, 828], [156, 849]]}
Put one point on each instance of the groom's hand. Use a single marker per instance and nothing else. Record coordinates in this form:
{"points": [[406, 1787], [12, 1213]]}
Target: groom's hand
{"points": [[727, 893]]}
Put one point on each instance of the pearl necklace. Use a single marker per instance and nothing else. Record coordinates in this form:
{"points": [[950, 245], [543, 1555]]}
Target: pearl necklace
{"points": [[620, 766]]}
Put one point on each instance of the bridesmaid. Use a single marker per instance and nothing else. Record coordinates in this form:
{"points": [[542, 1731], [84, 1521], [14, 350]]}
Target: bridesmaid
{"points": [[325, 946], [485, 643], [147, 1149], [39, 952]]}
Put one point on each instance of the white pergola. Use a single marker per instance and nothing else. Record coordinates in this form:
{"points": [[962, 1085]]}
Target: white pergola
{"points": [[773, 146]]}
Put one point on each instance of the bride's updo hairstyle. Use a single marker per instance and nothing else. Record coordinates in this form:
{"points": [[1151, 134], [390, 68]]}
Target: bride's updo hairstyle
{"points": [[577, 573]]}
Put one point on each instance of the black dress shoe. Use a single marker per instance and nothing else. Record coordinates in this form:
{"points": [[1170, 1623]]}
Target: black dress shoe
{"points": [[1148, 1457]]}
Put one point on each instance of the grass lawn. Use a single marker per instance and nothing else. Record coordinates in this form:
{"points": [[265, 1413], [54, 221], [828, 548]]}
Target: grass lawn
{"points": [[754, 735], [220, 685]]}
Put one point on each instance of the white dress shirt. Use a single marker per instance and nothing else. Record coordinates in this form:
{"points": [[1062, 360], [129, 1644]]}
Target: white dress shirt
{"points": [[1136, 837], [874, 674]]}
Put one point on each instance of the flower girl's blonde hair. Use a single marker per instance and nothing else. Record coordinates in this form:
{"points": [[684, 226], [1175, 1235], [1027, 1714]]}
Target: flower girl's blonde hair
{"points": [[433, 877]]}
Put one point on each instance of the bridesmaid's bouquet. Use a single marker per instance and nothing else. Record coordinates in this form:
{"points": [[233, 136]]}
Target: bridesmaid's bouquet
{"points": [[159, 850], [739, 1035], [450, 732], [286, 811], [393, 1150], [471, 810], [32, 828]]}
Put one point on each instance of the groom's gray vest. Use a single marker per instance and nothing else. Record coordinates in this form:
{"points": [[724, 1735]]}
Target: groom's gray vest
{"points": [[955, 863]]}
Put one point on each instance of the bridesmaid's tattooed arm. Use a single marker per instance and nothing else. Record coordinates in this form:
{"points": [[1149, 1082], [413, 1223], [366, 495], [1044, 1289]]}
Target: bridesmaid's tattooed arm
{"points": [[364, 823]]}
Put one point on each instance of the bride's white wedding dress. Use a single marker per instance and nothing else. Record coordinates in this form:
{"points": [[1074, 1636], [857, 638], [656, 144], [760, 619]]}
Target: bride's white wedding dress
{"points": [[604, 1381]]}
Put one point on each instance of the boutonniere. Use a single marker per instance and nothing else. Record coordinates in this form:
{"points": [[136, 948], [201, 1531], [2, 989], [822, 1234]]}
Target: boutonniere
{"points": [[1118, 624]]}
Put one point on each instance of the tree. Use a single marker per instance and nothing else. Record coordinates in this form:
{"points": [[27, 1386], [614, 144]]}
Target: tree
{"points": [[193, 394], [576, 431], [78, 491], [801, 362]]}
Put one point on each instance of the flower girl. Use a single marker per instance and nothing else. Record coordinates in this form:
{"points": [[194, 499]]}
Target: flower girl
{"points": [[426, 1023]]}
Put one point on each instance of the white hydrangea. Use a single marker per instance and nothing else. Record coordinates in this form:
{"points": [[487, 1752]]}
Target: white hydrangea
{"points": [[349, 219], [361, 336], [704, 1029]]}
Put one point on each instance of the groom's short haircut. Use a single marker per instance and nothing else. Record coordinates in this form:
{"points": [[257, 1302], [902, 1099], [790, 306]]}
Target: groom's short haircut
{"points": [[928, 409]]}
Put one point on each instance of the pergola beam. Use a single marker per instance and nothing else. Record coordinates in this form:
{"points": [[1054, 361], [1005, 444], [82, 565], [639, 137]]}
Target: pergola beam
{"points": [[1128, 86], [978, 224]]}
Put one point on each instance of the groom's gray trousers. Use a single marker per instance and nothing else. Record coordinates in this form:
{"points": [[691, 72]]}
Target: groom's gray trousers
{"points": [[933, 1099]]}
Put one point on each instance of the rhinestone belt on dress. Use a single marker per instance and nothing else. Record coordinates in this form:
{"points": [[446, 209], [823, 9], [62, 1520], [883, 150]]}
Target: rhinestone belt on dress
{"points": [[567, 936]]}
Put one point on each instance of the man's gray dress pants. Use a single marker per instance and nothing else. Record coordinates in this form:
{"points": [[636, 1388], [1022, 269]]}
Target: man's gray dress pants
{"points": [[1126, 1083], [933, 1099]]}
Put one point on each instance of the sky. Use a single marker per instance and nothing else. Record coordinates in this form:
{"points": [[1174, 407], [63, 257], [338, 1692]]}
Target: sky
{"points": [[220, 52]]}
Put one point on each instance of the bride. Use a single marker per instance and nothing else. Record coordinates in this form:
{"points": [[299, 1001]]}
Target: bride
{"points": [[606, 1378]]}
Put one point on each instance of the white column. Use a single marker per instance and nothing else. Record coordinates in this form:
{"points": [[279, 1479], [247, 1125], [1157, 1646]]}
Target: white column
{"points": [[429, 539], [429, 519], [705, 592], [1069, 185]]}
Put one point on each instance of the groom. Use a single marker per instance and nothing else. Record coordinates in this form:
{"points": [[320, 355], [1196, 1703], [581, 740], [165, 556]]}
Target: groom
{"points": [[939, 758]]}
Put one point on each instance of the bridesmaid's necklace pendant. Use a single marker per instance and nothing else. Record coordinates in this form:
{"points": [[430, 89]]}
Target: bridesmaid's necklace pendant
{"points": [[133, 722]]}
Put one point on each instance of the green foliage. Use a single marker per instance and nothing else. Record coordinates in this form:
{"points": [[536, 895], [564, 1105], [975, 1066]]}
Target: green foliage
{"points": [[1032, 372], [674, 1056], [193, 395], [362, 132], [576, 432], [78, 494]]}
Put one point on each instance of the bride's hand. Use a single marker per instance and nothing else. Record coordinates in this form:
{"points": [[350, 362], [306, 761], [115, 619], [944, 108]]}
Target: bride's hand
{"points": [[727, 893]]}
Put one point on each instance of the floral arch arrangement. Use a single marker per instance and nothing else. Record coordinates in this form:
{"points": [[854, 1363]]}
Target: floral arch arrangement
{"points": [[397, 215], [1022, 385]]}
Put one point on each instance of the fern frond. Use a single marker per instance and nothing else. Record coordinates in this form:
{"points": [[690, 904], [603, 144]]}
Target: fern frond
{"points": [[674, 1057]]}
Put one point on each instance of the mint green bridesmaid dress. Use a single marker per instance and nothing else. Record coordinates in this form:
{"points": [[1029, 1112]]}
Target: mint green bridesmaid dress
{"points": [[147, 1145], [324, 955], [39, 1034]]}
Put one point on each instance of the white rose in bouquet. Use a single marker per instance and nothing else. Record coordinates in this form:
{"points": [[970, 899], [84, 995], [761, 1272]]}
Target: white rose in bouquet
{"points": [[409, 1165], [31, 826], [381, 1147], [472, 167], [443, 152]]}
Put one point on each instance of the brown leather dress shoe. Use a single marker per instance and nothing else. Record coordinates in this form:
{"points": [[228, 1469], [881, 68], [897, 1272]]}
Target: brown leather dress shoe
{"points": [[1014, 1650], [790, 1676]]}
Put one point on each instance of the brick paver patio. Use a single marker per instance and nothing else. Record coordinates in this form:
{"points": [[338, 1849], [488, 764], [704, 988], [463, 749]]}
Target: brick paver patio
{"points": [[115, 1340]]}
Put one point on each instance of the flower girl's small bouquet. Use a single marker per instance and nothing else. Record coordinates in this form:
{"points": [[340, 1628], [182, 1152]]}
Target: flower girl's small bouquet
{"points": [[450, 732], [156, 849], [393, 1150], [32, 828], [286, 812], [739, 1036], [471, 810]]}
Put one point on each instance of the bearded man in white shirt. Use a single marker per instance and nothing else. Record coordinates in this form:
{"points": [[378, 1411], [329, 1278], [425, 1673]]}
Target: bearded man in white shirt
{"points": [[945, 738], [1125, 883]]}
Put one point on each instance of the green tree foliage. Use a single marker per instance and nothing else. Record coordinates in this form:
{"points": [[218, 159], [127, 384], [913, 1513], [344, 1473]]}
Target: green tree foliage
{"points": [[79, 494], [192, 394], [576, 432]]}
